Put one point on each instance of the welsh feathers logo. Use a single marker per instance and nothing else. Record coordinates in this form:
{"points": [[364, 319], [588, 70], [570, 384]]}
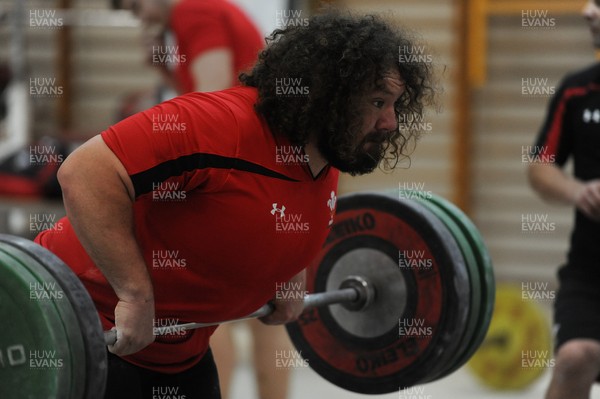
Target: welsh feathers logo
{"points": [[331, 202]]}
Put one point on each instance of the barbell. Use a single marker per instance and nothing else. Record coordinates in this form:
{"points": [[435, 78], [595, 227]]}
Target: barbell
{"points": [[354, 293], [400, 294]]}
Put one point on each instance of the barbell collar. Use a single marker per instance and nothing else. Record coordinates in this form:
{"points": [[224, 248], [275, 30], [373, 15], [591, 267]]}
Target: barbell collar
{"points": [[365, 290]]}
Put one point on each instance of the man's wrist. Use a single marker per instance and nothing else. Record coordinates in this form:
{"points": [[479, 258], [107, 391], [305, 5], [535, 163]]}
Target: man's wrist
{"points": [[136, 294]]}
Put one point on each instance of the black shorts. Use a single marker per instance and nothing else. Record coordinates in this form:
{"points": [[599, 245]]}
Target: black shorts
{"points": [[127, 381], [577, 306]]}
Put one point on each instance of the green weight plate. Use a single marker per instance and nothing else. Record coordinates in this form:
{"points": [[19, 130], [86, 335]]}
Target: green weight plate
{"points": [[49, 289], [95, 366], [34, 348], [474, 286], [486, 274]]}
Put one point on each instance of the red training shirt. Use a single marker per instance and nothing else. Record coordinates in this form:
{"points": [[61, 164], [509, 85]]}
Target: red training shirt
{"points": [[201, 25], [224, 214]]}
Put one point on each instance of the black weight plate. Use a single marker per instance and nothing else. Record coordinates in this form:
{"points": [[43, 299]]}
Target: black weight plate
{"points": [[430, 299]]}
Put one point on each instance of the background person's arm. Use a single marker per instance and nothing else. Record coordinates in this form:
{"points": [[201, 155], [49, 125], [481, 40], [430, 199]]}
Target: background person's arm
{"points": [[213, 70], [98, 197], [554, 185]]}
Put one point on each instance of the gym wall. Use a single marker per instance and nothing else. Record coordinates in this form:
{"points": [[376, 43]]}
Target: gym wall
{"points": [[503, 122], [107, 63]]}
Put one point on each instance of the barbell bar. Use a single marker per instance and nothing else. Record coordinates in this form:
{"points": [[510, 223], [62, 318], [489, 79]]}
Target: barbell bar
{"points": [[354, 291]]}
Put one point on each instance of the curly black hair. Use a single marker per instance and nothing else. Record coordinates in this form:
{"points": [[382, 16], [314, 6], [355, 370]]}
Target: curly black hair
{"points": [[338, 57]]}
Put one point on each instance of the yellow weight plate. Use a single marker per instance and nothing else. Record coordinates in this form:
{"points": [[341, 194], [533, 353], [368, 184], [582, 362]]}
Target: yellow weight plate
{"points": [[517, 349]]}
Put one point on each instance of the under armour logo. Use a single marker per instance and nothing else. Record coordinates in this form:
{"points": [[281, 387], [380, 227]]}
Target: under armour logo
{"points": [[589, 115], [281, 210]]}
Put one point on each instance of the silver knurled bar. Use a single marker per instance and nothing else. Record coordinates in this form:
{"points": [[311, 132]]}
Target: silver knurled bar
{"points": [[310, 301]]}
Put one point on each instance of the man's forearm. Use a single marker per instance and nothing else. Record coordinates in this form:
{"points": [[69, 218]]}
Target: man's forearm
{"points": [[107, 237]]}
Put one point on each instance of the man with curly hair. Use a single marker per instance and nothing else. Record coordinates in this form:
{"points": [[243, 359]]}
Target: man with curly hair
{"points": [[206, 206]]}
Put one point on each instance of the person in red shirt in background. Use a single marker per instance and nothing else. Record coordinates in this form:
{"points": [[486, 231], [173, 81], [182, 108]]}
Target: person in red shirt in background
{"points": [[203, 45]]}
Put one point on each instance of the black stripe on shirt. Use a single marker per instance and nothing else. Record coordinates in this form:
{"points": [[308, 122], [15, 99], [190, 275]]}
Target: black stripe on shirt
{"points": [[143, 181]]}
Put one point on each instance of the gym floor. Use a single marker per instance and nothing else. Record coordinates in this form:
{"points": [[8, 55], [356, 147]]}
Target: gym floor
{"points": [[305, 383], [460, 385]]}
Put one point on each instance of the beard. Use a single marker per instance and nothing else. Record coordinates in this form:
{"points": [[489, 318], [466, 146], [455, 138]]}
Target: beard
{"points": [[363, 158]]}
